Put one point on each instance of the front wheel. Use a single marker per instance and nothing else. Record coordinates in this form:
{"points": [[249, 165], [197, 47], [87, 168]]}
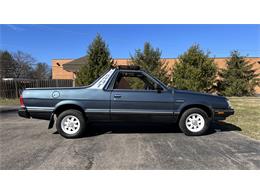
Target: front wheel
{"points": [[71, 124], [194, 121]]}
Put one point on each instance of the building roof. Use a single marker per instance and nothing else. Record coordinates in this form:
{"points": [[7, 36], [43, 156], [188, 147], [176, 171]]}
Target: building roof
{"points": [[74, 65]]}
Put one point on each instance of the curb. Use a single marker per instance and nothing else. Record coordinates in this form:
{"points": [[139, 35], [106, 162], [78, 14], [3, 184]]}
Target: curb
{"points": [[7, 110]]}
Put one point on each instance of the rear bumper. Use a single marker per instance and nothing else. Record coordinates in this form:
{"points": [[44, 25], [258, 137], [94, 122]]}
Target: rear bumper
{"points": [[222, 114], [27, 112], [23, 112]]}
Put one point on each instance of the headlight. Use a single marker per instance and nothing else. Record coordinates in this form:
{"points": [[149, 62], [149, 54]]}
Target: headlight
{"points": [[229, 104]]}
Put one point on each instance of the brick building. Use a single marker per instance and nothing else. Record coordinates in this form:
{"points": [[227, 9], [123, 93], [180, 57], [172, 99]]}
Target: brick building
{"points": [[66, 68]]}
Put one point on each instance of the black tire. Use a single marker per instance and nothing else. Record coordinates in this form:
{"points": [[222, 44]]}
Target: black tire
{"points": [[81, 120], [188, 113]]}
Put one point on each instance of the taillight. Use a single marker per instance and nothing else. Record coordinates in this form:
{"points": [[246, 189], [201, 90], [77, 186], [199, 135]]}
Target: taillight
{"points": [[21, 101]]}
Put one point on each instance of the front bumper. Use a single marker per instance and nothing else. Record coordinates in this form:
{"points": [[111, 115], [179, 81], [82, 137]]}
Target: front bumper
{"points": [[23, 112], [222, 114]]}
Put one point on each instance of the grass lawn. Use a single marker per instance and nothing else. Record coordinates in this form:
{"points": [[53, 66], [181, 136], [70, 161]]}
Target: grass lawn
{"points": [[9, 102], [247, 115]]}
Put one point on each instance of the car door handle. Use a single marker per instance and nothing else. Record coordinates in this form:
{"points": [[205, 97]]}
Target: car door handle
{"points": [[117, 96]]}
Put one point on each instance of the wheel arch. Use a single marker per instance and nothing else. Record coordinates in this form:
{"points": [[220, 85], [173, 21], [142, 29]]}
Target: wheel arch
{"points": [[59, 109], [205, 108], [65, 105]]}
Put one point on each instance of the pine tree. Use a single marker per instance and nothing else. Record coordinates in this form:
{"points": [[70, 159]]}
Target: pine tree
{"points": [[194, 70], [98, 60], [238, 79], [150, 60], [7, 64]]}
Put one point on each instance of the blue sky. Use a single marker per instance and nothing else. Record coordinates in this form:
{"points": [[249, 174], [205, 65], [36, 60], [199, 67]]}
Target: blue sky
{"points": [[46, 42]]}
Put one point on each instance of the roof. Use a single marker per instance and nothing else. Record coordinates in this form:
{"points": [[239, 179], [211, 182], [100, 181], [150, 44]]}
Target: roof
{"points": [[74, 65]]}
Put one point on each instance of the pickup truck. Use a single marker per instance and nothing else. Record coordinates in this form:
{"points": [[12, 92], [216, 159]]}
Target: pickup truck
{"points": [[123, 94]]}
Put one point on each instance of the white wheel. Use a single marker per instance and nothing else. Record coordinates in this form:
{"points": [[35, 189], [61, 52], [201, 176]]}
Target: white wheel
{"points": [[195, 122], [70, 124]]}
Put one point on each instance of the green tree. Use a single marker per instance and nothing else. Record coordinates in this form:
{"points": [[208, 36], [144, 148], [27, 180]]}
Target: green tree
{"points": [[194, 70], [238, 79], [98, 60], [7, 65], [150, 60]]}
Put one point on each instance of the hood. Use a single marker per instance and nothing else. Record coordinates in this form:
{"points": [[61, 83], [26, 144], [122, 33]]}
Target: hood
{"points": [[188, 92]]}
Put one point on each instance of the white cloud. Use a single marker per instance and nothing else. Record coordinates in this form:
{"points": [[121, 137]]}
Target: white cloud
{"points": [[15, 27]]}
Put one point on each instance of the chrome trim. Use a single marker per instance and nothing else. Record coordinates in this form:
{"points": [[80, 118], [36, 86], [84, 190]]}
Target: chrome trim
{"points": [[140, 111], [128, 111], [40, 109], [97, 110], [224, 110]]}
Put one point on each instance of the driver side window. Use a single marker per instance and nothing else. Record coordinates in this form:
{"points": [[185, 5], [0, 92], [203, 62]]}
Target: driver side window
{"points": [[134, 81]]}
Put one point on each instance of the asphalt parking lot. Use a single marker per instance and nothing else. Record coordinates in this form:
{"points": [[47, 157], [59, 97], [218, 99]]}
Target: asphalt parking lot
{"points": [[28, 144]]}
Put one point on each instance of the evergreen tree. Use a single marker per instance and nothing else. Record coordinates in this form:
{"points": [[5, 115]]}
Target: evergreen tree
{"points": [[98, 60], [239, 79], [150, 60], [194, 70], [7, 64]]}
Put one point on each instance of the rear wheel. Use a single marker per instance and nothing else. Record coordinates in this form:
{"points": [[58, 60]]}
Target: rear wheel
{"points": [[194, 121], [71, 124]]}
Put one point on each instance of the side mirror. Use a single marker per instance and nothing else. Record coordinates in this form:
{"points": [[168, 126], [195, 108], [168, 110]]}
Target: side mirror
{"points": [[158, 88]]}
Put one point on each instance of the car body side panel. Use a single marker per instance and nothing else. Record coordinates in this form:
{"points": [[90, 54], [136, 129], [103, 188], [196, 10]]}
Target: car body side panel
{"points": [[101, 104], [184, 99], [89, 100], [141, 105]]}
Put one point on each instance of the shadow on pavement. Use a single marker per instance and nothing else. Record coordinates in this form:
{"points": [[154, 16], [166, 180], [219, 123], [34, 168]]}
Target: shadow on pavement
{"points": [[127, 128], [224, 126], [139, 128]]}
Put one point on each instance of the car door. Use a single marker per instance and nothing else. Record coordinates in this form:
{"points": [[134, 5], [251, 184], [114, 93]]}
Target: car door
{"points": [[138, 104]]}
